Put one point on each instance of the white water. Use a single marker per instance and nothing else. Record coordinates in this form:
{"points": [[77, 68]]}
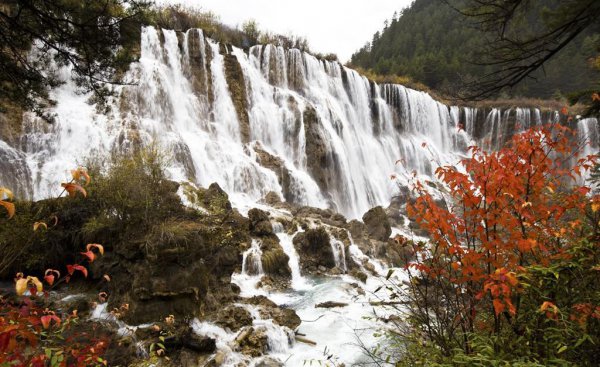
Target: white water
{"points": [[364, 132], [252, 271], [286, 241]]}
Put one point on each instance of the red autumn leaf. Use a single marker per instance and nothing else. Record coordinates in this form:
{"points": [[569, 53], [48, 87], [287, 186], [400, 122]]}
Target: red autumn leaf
{"points": [[47, 320], [72, 268], [89, 255]]}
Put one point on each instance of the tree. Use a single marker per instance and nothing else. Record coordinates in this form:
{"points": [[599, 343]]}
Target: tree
{"points": [[513, 50], [510, 270], [93, 38], [251, 29]]}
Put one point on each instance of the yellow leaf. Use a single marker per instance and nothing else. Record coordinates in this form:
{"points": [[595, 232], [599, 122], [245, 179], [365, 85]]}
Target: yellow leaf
{"points": [[550, 189], [595, 207], [37, 226], [6, 193], [21, 286], [525, 205], [80, 172], [96, 245], [36, 282], [10, 208]]}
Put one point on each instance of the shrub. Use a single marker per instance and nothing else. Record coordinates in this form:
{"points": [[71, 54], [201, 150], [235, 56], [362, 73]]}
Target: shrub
{"points": [[508, 277]]}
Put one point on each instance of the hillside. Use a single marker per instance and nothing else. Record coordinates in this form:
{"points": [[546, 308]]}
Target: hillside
{"points": [[433, 44]]}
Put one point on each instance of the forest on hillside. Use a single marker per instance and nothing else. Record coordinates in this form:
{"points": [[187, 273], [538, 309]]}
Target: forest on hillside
{"points": [[432, 43]]}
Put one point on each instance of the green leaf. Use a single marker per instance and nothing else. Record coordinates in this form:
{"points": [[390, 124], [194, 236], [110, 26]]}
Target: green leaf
{"points": [[561, 349]]}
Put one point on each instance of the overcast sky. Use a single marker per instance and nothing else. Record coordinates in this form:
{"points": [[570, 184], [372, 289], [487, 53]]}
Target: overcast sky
{"points": [[338, 26]]}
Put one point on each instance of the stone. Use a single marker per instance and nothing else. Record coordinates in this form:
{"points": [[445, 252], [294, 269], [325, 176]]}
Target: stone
{"points": [[260, 224], [233, 317], [377, 224]]}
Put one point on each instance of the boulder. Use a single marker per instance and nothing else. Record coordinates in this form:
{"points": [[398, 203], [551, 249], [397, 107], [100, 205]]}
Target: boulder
{"points": [[377, 223], [314, 248], [233, 317], [259, 222]]}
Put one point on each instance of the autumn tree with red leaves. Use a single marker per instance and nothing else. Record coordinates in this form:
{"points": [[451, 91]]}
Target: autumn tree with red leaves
{"points": [[512, 261]]}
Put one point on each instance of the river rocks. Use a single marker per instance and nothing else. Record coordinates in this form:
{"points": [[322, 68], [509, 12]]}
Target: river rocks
{"points": [[233, 318], [252, 341], [377, 224], [269, 362], [269, 310], [315, 250]]}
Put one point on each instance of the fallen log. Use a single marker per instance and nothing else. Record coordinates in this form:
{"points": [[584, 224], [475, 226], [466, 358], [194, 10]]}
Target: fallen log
{"points": [[304, 340]]}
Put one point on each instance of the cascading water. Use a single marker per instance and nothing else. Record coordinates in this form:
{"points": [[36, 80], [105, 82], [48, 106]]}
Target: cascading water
{"points": [[252, 271], [286, 242], [269, 120], [339, 253], [251, 260]]}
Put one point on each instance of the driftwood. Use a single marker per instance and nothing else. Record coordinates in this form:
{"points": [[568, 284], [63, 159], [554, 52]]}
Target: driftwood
{"points": [[305, 340], [331, 304]]}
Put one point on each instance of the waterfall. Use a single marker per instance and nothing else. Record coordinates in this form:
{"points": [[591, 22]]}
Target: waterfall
{"points": [[339, 253], [251, 260], [287, 244], [267, 120]]}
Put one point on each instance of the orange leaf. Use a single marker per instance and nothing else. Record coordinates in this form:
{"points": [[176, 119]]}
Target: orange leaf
{"points": [[49, 279], [37, 225], [72, 189], [10, 208], [71, 269], [100, 248], [548, 305], [564, 111], [498, 306], [79, 173], [89, 255]]}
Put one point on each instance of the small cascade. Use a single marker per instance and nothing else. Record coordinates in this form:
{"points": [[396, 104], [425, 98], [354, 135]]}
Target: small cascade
{"points": [[252, 271], [287, 244], [252, 260], [339, 253]]}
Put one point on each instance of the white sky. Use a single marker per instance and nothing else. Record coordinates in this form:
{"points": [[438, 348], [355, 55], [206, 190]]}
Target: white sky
{"points": [[338, 26]]}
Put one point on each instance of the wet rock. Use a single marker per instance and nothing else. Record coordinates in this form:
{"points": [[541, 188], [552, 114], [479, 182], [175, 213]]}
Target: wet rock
{"points": [[377, 224], [252, 341], [277, 165], [272, 198], [259, 222], [237, 89], [269, 362], [269, 310], [326, 216], [359, 275], [233, 318], [314, 248]]}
